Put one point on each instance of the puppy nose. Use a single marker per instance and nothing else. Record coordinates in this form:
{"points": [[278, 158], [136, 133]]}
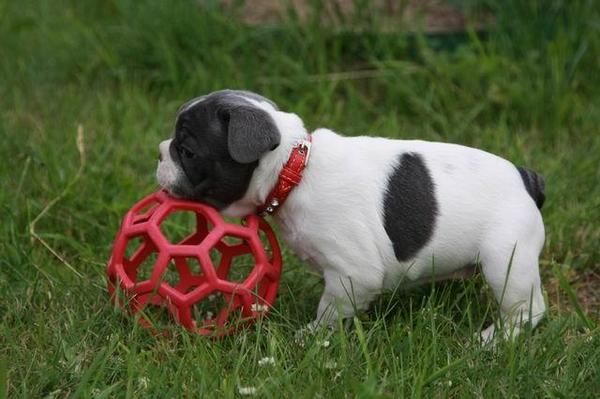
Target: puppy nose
{"points": [[163, 149]]}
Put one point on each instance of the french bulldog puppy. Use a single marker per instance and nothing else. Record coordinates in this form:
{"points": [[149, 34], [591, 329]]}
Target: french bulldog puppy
{"points": [[370, 214]]}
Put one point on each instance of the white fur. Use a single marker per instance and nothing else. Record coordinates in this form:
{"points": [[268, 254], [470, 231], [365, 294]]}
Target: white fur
{"points": [[167, 172], [334, 221]]}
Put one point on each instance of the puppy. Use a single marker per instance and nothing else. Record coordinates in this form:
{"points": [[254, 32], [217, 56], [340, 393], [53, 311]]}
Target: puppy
{"points": [[370, 214]]}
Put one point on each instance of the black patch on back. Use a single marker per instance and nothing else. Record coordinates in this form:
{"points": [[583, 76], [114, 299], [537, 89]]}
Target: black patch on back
{"points": [[410, 207]]}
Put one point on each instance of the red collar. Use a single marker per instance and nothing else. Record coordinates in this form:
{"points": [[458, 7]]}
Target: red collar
{"points": [[289, 177]]}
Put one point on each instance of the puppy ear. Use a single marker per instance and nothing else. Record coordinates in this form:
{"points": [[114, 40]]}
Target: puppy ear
{"points": [[251, 133]]}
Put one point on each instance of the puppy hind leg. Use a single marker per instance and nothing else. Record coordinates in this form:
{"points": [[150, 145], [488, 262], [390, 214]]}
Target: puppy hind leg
{"points": [[513, 275]]}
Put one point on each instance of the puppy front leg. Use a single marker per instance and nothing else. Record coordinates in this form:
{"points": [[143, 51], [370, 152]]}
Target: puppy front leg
{"points": [[343, 297]]}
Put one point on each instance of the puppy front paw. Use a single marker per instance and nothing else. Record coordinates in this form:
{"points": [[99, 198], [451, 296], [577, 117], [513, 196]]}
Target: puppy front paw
{"points": [[303, 334], [309, 331], [487, 337]]}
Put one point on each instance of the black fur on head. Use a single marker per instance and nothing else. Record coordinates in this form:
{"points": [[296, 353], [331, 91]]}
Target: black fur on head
{"points": [[218, 141]]}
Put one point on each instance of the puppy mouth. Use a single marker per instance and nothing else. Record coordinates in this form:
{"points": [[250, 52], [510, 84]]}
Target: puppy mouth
{"points": [[180, 190], [171, 179], [175, 193], [201, 193]]}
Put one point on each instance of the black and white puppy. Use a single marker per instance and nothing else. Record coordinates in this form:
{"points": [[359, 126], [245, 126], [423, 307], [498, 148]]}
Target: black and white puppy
{"points": [[371, 213]]}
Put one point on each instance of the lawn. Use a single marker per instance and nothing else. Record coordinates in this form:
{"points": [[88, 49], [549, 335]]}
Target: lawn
{"points": [[89, 89]]}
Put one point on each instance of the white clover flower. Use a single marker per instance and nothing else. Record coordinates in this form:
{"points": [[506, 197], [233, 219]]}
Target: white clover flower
{"points": [[267, 361], [323, 344], [257, 307], [330, 364], [247, 391], [143, 382]]}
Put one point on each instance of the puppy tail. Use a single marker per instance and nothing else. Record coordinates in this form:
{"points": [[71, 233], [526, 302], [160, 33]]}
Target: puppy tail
{"points": [[534, 184]]}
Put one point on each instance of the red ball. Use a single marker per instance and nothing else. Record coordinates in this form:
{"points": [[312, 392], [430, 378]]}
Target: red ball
{"points": [[212, 276]]}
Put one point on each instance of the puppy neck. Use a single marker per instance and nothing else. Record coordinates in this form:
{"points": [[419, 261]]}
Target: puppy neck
{"points": [[266, 173]]}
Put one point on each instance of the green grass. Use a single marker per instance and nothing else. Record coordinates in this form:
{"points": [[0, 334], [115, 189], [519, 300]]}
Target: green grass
{"points": [[528, 90]]}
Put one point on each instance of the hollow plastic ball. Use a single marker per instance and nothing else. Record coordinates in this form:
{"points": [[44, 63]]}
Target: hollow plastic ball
{"points": [[183, 259]]}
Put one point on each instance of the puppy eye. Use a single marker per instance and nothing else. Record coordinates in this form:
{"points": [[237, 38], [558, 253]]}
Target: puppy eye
{"points": [[186, 153]]}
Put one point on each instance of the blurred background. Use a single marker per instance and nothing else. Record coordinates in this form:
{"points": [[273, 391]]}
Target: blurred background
{"points": [[89, 88]]}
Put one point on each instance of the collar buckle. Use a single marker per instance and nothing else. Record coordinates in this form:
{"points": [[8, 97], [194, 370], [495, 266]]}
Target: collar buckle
{"points": [[305, 146]]}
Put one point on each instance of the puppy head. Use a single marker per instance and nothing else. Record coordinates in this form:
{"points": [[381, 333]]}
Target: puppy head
{"points": [[217, 143]]}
